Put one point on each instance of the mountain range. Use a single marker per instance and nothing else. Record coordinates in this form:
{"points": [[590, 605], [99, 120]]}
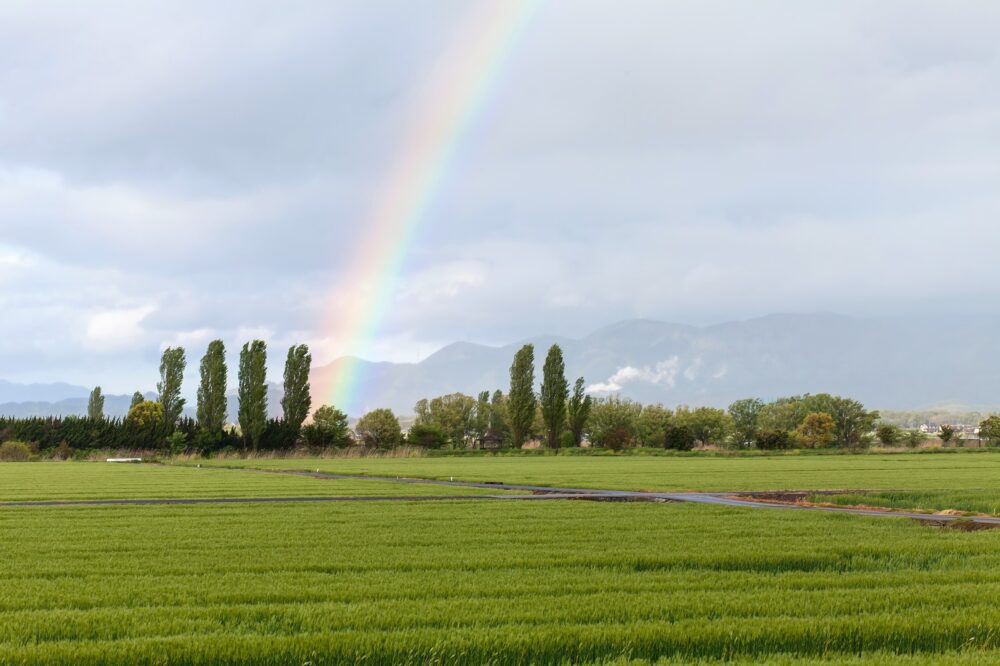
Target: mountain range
{"points": [[886, 362]]}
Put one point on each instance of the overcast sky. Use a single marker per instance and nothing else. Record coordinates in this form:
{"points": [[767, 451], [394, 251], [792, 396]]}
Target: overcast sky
{"points": [[176, 171]]}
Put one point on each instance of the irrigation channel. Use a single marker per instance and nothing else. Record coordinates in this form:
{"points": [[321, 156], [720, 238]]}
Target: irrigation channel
{"points": [[745, 499]]}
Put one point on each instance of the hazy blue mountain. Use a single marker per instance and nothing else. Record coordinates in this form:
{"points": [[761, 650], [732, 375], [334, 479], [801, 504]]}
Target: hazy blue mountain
{"points": [[886, 362], [891, 363], [11, 392], [114, 405]]}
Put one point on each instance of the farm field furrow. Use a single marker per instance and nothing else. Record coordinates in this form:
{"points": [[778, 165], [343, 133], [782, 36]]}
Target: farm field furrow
{"points": [[928, 471], [552, 582], [81, 481]]}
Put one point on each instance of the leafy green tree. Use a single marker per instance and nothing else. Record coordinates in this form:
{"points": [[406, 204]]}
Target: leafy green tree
{"points": [[453, 414], [95, 405], [329, 427], [426, 436], [613, 422], [678, 436], [499, 428], [888, 434], [708, 424], [521, 398], [379, 429], [770, 440], [745, 416], [554, 393], [947, 433], [914, 438], [816, 431], [296, 402], [989, 430], [852, 419], [137, 399], [423, 412], [212, 401], [172, 365], [578, 411], [651, 426], [482, 416], [146, 413], [253, 391]]}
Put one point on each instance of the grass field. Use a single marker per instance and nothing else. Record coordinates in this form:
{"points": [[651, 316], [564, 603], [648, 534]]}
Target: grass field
{"points": [[71, 480], [938, 471], [975, 501], [466, 582], [553, 582]]}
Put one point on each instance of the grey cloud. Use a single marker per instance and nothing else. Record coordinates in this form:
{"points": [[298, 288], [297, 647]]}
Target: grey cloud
{"points": [[696, 161]]}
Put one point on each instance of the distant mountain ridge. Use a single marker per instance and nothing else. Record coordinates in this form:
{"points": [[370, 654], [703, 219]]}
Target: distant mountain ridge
{"points": [[899, 362], [892, 363]]}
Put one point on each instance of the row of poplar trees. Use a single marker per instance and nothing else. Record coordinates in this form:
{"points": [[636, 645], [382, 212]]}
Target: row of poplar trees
{"points": [[563, 411], [213, 401]]}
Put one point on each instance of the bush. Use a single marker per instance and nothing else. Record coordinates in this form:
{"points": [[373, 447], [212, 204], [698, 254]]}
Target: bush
{"points": [[63, 451], [914, 438], [678, 437], [15, 452], [380, 429], [888, 434], [773, 440], [426, 436]]}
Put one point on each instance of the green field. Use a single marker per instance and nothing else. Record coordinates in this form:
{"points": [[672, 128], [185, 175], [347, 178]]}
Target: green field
{"points": [[77, 481], [938, 471], [511, 583], [457, 582], [974, 501]]}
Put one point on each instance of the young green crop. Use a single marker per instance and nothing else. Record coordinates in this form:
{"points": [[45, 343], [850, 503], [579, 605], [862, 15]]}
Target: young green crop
{"points": [[816, 472], [65, 480], [971, 500], [471, 582]]}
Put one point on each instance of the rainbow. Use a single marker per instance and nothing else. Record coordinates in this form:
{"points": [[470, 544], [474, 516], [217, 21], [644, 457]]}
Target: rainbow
{"points": [[454, 92]]}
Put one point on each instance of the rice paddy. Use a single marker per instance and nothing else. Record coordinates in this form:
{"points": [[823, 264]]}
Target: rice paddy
{"points": [[88, 481], [457, 582], [934, 471]]}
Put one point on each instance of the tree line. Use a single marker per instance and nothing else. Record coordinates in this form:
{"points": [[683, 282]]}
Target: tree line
{"points": [[557, 415], [160, 424]]}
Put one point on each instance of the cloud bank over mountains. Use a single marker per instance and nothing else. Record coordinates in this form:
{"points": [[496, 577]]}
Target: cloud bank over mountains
{"points": [[174, 171]]}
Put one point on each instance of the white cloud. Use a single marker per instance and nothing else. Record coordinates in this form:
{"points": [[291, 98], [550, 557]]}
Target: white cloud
{"points": [[663, 373], [116, 329]]}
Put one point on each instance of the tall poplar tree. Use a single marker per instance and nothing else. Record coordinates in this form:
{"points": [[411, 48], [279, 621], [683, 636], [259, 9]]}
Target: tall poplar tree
{"points": [[481, 422], [212, 401], [297, 401], [137, 399], [95, 405], [253, 391], [521, 398], [498, 416], [554, 393], [172, 365], [578, 411]]}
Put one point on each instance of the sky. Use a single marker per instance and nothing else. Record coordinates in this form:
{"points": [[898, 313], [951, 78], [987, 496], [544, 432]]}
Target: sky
{"points": [[172, 172]]}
